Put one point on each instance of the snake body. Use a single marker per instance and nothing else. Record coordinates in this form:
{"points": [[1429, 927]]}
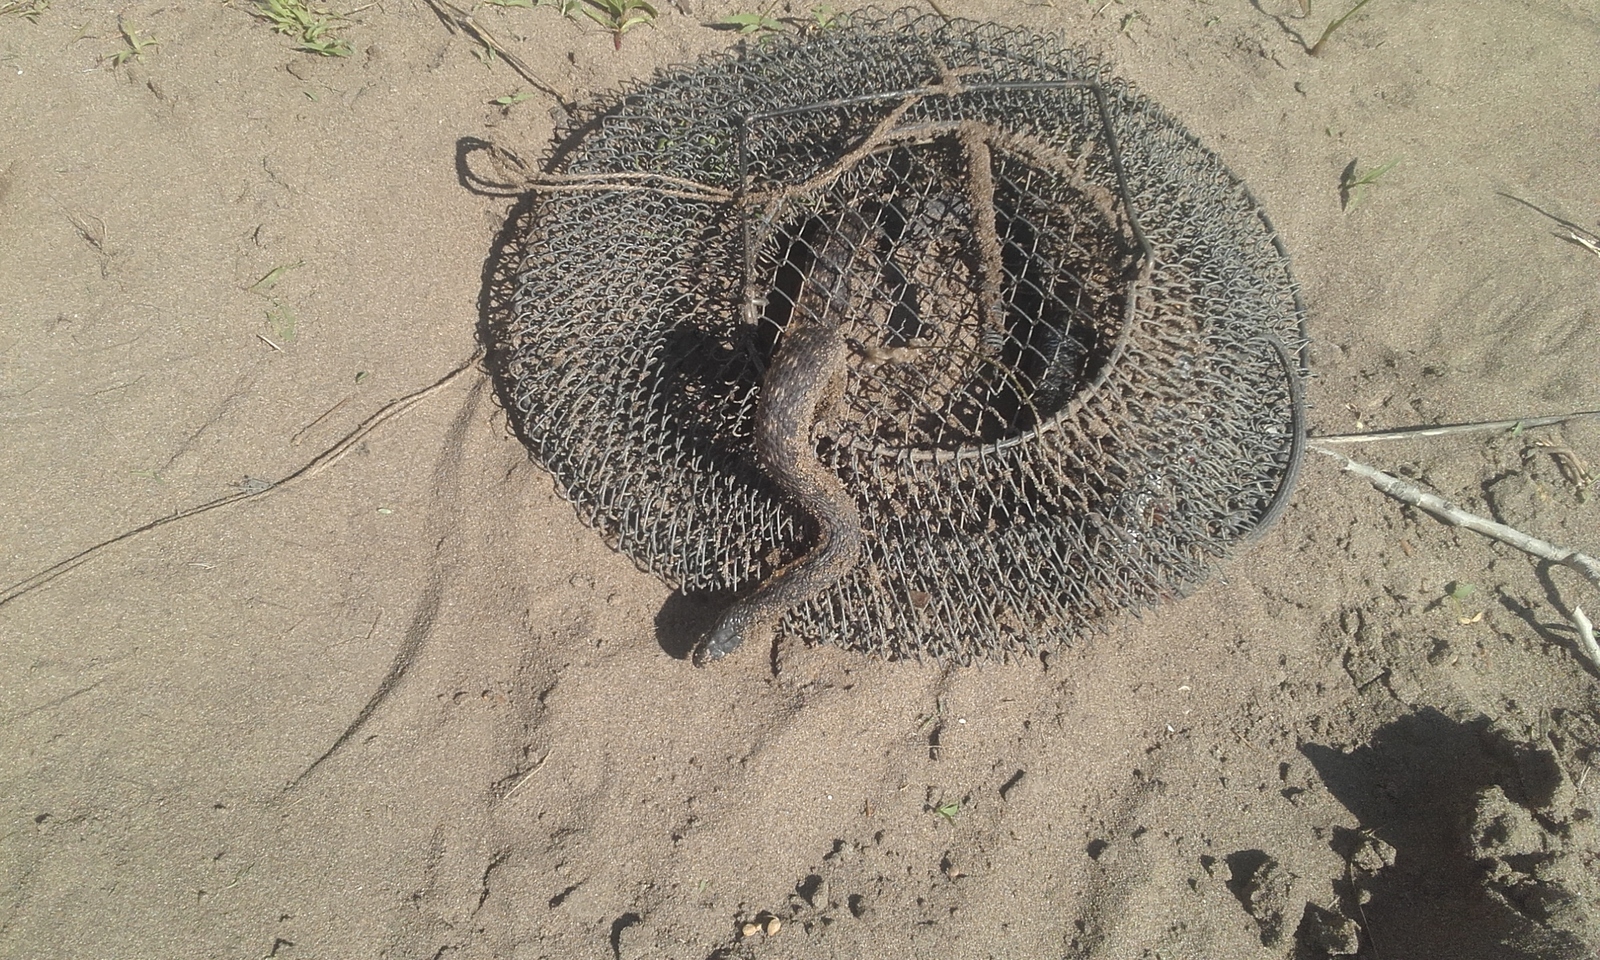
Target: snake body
{"points": [[802, 377]]}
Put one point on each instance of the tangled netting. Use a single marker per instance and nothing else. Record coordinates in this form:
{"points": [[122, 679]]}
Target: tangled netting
{"points": [[1075, 340]]}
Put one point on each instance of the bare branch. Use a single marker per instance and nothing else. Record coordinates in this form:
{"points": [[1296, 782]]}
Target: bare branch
{"points": [[1449, 513], [1488, 426], [317, 464], [1586, 641]]}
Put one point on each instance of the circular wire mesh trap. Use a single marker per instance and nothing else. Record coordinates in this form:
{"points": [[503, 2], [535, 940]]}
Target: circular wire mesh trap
{"points": [[1075, 340]]}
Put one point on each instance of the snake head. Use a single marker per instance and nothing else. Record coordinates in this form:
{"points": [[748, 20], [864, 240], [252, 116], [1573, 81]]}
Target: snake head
{"points": [[723, 639]]}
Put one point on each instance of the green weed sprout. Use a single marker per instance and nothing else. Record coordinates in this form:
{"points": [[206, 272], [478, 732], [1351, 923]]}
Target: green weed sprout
{"points": [[617, 16], [764, 24], [1316, 48], [312, 27], [1353, 184], [137, 44], [511, 99], [29, 10], [748, 24]]}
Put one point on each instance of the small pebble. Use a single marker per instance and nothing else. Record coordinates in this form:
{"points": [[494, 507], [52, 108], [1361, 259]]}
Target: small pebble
{"points": [[750, 929], [773, 926]]}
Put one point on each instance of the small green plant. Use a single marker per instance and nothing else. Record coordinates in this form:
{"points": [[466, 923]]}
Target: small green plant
{"points": [[281, 321], [527, 4], [273, 276], [311, 27], [1316, 48], [1459, 593], [617, 16], [949, 809], [826, 17], [751, 24], [764, 24], [1353, 184], [137, 42], [29, 10], [511, 99]]}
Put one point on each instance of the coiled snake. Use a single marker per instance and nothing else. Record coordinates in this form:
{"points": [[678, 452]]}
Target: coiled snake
{"points": [[802, 379]]}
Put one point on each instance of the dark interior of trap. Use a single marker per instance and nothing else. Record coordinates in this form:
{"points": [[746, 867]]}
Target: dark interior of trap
{"points": [[931, 373]]}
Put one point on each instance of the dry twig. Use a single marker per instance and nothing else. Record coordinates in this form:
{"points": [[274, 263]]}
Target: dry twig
{"points": [[319, 463], [1488, 426], [1449, 513], [1586, 640], [455, 18], [1584, 242]]}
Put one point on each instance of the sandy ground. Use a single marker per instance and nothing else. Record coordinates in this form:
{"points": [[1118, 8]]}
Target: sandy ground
{"points": [[412, 707]]}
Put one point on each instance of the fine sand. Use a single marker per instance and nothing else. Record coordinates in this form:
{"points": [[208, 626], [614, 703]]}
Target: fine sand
{"points": [[409, 706]]}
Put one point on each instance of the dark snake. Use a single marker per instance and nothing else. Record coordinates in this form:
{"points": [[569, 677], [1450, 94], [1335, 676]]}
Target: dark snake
{"points": [[802, 377]]}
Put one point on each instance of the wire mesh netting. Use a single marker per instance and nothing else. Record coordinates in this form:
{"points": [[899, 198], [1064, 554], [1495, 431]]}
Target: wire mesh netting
{"points": [[1074, 374]]}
